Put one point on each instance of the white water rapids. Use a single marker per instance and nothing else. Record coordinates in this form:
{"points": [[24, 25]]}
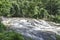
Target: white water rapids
{"points": [[36, 29]]}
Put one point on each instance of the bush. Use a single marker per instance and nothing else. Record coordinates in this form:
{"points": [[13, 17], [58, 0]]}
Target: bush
{"points": [[30, 8], [5, 6], [57, 19], [10, 36], [5, 35], [57, 37], [2, 27]]}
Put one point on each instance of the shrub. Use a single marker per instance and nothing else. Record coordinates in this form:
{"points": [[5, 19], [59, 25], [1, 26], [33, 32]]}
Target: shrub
{"points": [[5, 35], [10, 36], [2, 27], [57, 37]]}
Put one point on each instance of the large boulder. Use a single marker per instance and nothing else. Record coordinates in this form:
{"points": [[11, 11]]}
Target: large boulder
{"points": [[33, 28]]}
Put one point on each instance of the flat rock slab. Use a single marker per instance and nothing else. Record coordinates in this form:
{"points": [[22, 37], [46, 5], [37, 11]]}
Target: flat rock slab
{"points": [[36, 29]]}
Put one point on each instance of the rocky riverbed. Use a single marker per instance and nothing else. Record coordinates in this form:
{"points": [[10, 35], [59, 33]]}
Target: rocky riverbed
{"points": [[34, 28]]}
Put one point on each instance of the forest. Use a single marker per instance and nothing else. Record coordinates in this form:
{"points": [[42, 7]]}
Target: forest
{"points": [[39, 9]]}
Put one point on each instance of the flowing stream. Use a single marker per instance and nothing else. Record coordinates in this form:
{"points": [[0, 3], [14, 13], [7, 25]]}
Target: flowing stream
{"points": [[33, 28]]}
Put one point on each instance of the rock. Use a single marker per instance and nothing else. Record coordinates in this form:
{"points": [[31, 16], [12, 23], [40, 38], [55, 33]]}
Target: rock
{"points": [[35, 29]]}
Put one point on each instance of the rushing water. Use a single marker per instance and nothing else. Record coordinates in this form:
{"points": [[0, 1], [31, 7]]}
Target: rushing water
{"points": [[35, 29]]}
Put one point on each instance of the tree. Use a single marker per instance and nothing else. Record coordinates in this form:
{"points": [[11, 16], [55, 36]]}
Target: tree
{"points": [[5, 6], [52, 7]]}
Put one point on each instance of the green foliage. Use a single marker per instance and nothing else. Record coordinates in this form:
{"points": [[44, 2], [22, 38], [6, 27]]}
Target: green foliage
{"points": [[2, 27], [44, 9], [57, 19], [52, 7], [5, 34], [57, 37], [11, 36], [5, 7]]}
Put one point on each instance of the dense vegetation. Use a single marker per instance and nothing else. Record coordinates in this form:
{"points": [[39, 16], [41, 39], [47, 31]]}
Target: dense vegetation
{"points": [[6, 34], [44, 9], [9, 35], [57, 37]]}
